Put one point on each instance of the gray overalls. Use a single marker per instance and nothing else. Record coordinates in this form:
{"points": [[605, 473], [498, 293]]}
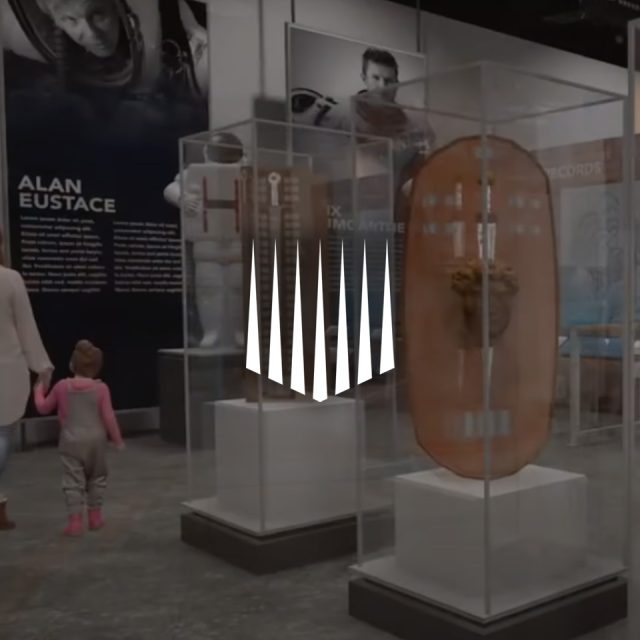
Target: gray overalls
{"points": [[83, 451]]}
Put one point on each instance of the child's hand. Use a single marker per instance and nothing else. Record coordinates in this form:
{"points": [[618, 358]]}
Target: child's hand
{"points": [[44, 379]]}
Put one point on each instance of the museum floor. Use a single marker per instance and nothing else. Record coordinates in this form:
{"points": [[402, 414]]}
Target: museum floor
{"points": [[136, 581]]}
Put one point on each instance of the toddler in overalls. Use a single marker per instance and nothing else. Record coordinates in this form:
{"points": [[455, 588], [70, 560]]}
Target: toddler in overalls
{"points": [[86, 419]]}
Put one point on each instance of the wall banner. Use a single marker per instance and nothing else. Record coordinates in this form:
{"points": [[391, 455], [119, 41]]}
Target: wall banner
{"points": [[97, 94]]}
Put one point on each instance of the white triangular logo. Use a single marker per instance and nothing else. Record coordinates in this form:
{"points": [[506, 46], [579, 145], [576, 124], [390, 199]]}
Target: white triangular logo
{"points": [[297, 353], [253, 338], [320, 361]]}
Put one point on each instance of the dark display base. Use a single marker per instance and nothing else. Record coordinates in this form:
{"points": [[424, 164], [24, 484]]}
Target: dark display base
{"points": [[211, 377], [271, 553], [563, 619]]}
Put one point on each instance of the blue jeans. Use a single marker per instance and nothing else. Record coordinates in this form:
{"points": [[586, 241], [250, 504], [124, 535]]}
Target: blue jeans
{"points": [[6, 437]]}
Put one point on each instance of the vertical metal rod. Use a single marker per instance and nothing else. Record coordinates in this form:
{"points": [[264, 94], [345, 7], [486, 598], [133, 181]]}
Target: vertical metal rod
{"points": [[486, 347], [629, 212], [394, 298], [420, 48], [418, 26], [261, 49], [575, 391], [211, 61], [293, 11], [358, 395], [257, 243], [185, 323], [4, 174]]}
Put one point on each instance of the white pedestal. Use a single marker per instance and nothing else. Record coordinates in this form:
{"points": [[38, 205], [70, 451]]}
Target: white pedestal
{"points": [[293, 465], [538, 528]]}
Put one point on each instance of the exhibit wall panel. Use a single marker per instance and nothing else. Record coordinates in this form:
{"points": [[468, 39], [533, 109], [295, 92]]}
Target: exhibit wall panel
{"points": [[234, 58], [91, 146], [248, 54], [376, 21]]}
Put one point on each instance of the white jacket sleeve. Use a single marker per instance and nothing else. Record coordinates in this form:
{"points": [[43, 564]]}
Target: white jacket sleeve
{"points": [[28, 334]]}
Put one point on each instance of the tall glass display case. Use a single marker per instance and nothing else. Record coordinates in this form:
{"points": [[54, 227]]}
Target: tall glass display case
{"points": [[501, 439], [268, 212]]}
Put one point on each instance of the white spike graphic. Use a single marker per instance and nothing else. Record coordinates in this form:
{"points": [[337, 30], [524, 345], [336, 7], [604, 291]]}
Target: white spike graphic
{"points": [[297, 353], [253, 339], [342, 358], [386, 346], [364, 344], [275, 341], [320, 360]]}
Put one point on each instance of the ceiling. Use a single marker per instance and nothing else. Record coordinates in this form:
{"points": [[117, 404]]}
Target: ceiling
{"points": [[592, 28]]}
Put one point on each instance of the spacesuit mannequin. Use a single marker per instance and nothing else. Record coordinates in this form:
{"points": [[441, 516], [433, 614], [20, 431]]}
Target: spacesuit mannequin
{"points": [[210, 216]]}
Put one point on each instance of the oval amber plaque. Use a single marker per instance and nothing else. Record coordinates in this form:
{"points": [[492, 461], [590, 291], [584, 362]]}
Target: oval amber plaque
{"points": [[443, 308]]}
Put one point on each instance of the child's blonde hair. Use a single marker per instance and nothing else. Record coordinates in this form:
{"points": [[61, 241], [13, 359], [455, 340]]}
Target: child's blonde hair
{"points": [[86, 359]]}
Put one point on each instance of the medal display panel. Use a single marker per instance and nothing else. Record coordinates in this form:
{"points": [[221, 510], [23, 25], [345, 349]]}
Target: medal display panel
{"points": [[500, 440], [268, 215]]}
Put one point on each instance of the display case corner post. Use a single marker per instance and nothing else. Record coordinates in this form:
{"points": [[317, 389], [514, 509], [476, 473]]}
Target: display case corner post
{"points": [[256, 128], [486, 350], [4, 167], [185, 320], [630, 203]]}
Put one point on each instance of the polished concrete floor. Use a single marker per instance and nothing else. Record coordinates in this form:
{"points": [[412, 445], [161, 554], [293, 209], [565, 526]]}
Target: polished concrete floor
{"points": [[136, 581]]}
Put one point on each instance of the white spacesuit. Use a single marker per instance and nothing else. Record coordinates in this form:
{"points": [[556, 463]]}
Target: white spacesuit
{"points": [[210, 216]]}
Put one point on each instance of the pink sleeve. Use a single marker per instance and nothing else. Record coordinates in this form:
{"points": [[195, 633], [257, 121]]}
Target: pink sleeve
{"points": [[108, 416], [46, 404]]}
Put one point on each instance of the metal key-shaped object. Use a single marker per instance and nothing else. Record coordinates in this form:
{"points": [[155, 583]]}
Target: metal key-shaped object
{"points": [[274, 180]]}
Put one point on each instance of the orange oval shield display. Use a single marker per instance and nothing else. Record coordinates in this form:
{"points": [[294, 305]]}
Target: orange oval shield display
{"points": [[481, 412]]}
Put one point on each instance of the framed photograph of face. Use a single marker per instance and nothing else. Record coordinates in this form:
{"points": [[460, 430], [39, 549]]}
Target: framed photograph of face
{"points": [[325, 70]]}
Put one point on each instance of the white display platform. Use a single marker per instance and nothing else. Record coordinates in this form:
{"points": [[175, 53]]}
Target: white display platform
{"points": [[538, 520], [537, 547], [307, 472]]}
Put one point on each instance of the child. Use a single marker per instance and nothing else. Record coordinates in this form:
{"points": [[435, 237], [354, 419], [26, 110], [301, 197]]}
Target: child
{"points": [[86, 417]]}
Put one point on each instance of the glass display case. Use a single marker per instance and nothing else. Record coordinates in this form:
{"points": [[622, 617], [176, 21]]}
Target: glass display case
{"points": [[501, 441], [268, 212]]}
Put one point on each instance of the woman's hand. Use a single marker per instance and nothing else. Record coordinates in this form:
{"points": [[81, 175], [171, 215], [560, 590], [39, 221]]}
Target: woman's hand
{"points": [[44, 379]]}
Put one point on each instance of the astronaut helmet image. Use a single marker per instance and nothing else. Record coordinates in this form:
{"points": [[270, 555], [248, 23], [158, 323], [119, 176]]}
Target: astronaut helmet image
{"points": [[223, 148], [311, 107], [94, 42], [110, 44], [93, 25]]}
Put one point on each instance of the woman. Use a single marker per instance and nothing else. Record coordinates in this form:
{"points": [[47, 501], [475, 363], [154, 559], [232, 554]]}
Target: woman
{"points": [[21, 349]]}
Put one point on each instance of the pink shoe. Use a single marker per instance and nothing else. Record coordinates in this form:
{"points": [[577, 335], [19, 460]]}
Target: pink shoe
{"points": [[95, 519], [74, 525]]}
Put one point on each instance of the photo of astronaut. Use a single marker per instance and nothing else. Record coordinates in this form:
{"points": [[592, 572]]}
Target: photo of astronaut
{"points": [[116, 62], [97, 94], [325, 71]]}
